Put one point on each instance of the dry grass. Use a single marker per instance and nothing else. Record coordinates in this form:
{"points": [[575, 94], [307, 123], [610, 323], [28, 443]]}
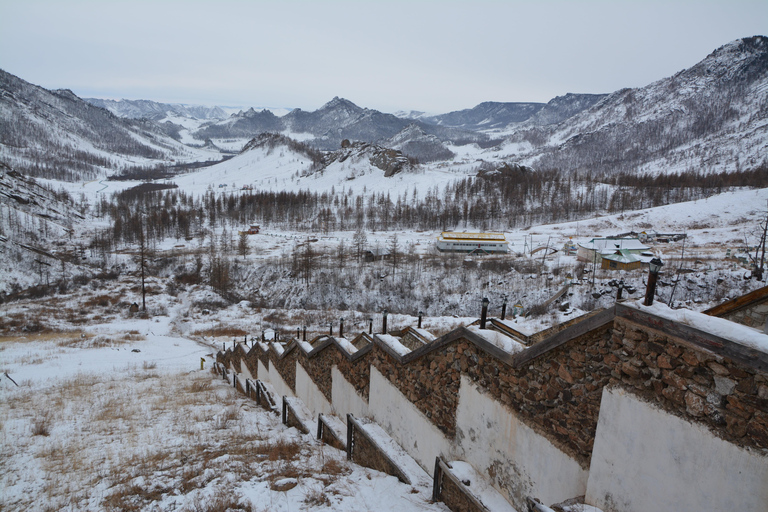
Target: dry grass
{"points": [[130, 443], [223, 330], [41, 426], [316, 496]]}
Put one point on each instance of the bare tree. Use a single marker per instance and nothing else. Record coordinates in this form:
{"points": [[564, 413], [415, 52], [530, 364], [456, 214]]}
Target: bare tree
{"points": [[394, 253], [307, 262], [360, 240], [758, 260], [242, 244], [341, 253]]}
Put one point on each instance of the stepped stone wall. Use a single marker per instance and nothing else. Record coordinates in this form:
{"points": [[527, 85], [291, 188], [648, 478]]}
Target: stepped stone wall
{"points": [[555, 386]]}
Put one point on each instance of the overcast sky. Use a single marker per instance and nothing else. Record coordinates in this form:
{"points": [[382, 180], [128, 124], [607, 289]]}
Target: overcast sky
{"points": [[431, 55]]}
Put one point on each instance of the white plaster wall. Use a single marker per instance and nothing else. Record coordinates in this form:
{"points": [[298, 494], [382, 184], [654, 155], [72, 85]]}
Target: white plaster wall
{"points": [[309, 393], [646, 459], [345, 398], [281, 388], [263, 372], [405, 423], [245, 371], [523, 463]]}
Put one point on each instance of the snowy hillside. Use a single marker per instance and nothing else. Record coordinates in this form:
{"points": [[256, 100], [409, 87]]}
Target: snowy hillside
{"points": [[711, 117], [55, 134]]}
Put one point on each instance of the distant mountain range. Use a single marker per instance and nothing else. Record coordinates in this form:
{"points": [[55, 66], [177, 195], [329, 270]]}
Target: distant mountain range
{"points": [[146, 109], [712, 116]]}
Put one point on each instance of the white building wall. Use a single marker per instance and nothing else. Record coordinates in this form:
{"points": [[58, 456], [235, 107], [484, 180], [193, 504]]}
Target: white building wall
{"points": [[310, 394], [280, 386], [345, 398], [646, 459], [244, 370], [405, 423], [519, 461], [263, 372]]}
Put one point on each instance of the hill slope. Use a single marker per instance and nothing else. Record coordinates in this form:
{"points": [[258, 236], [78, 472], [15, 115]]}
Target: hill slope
{"points": [[55, 134]]}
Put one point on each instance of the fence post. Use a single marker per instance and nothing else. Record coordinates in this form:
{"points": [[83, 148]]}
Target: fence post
{"points": [[436, 481], [320, 426], [350, 437]]}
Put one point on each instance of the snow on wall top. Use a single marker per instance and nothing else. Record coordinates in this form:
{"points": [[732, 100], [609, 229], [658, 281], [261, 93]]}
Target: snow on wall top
{"points": [[498, 339], [346, 345], [721, 327], [424, 334], [393, 343], [479, 487]]}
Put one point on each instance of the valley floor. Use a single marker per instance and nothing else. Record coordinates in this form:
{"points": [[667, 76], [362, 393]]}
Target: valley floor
{"points": [[120, 416]]}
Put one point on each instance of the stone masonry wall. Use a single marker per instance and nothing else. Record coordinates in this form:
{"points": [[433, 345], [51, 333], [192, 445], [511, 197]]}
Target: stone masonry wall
{"points": [[251, 361], [357, 373], [730, 398], [319, 369], [366, 453], [752, 316], [263, 355], [430, 382], [558, 393]]}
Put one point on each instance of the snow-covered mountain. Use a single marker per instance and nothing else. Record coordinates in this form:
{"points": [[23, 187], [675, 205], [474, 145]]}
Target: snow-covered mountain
{"points": [[487, 115], [146, 109], [414, 142], [327, 126], [710, 117], [55, 134]]}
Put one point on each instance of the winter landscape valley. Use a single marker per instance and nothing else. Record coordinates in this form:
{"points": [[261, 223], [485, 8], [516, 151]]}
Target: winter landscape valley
{"points": [[161, 265]]}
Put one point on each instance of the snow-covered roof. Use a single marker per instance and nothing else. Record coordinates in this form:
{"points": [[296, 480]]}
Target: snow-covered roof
{"points": [[622, 256], [613, 244]]}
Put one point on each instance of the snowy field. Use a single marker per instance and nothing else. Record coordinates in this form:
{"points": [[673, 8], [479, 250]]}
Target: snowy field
{"points": [[119, 416]]}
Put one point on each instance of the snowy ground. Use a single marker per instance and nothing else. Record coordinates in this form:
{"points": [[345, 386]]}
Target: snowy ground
{"points": [[119, 416]]}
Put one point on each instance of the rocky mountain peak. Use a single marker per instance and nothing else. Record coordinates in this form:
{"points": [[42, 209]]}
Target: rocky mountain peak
{"points": [[391, 161]]}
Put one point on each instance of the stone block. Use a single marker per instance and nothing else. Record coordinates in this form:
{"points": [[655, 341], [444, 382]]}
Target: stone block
{"points": [[690, 358], [674, 395], [666, 362], [673, 350], [631, 370], [718, 368], [694, 404], [725, 386], [564, 374]]}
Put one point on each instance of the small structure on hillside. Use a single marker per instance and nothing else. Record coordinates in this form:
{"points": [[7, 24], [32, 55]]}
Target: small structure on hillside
{"points": [[594, 250], [253, 230], [622, 259], [482, 243], [376, 254]]}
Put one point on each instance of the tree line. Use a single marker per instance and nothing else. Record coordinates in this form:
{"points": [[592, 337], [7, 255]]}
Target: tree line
{"points": [[515, 198]]}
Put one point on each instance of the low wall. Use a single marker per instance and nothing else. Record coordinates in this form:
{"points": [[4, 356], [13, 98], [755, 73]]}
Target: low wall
{"points": [[528, 419], [363, 450]]}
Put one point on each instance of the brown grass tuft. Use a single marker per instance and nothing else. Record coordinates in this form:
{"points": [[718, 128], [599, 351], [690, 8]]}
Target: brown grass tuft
{"points": [[41, 426]]}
